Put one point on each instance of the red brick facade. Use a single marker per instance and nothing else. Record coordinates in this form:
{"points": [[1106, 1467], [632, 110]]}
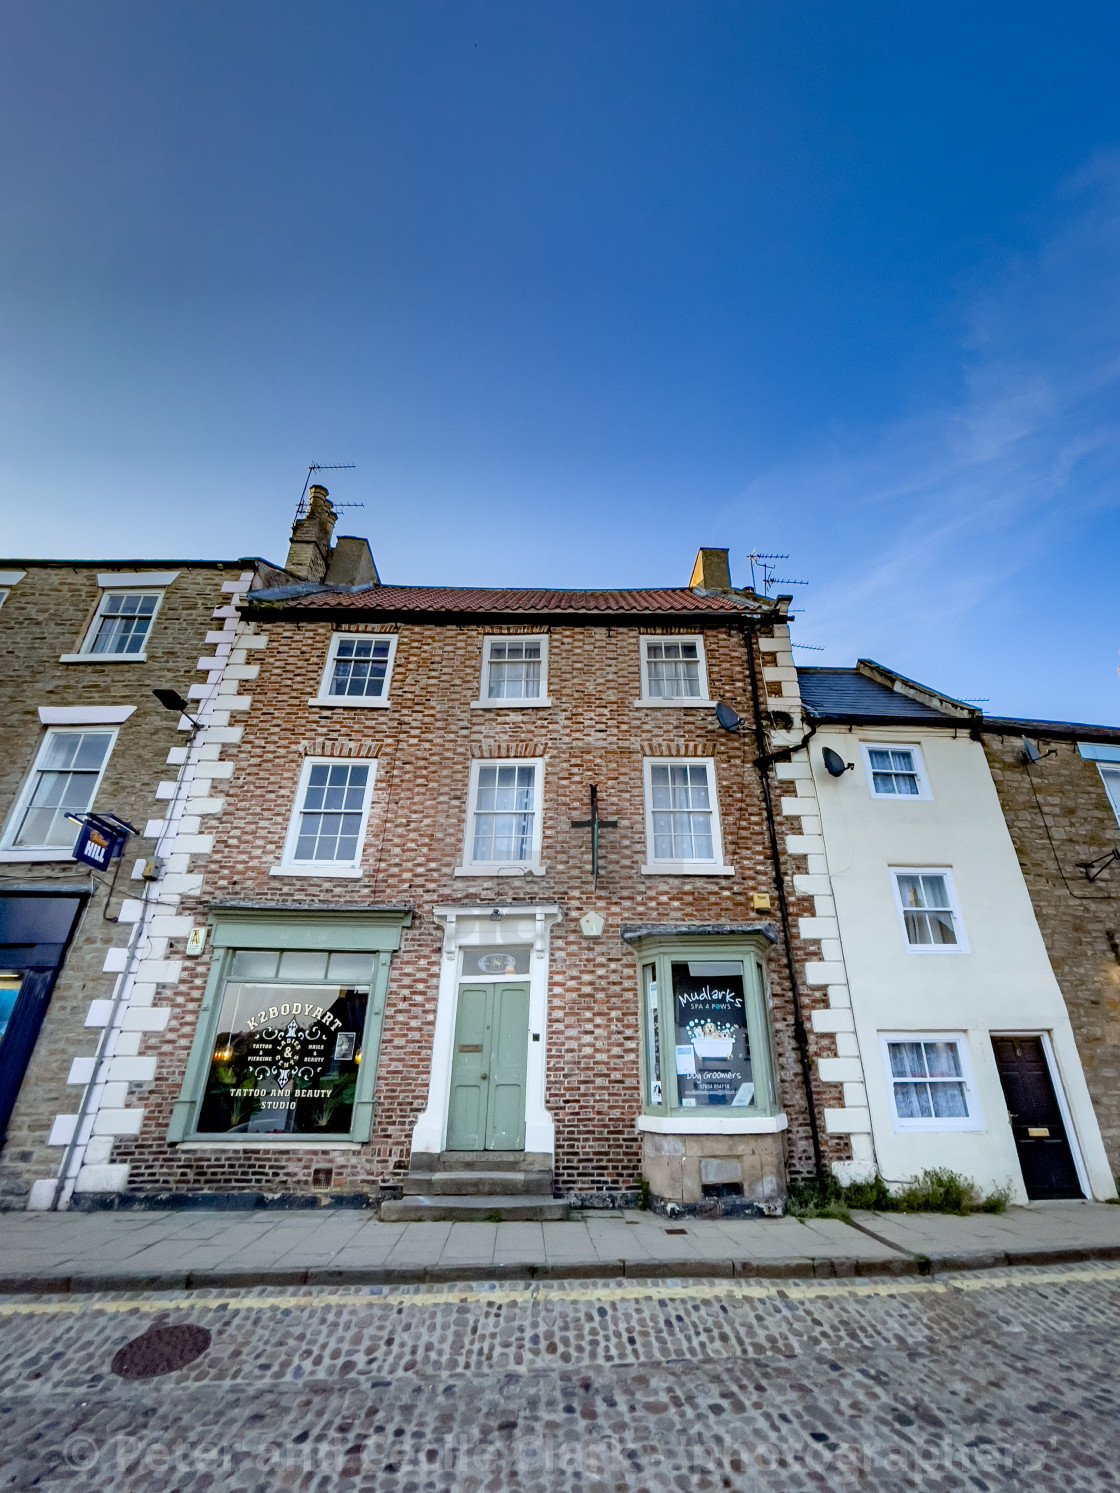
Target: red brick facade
{"points": [[423, 745]]}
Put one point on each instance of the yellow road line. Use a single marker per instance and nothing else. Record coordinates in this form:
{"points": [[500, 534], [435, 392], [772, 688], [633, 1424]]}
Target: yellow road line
{"points": [[544, 1292]]}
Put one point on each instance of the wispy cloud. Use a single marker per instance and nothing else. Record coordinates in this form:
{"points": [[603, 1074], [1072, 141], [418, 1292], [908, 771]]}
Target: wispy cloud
{"points": [[935, 516]]}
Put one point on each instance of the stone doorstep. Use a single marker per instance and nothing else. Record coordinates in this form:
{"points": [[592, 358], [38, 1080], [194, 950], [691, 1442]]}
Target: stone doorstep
{"points": [[478, 1184], [481, 1161]]}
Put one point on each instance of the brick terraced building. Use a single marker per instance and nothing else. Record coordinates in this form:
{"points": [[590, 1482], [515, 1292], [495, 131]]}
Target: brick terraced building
{"points": [[488, 914]]}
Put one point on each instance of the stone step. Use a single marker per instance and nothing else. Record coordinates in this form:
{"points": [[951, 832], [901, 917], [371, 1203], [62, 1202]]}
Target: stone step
{"points": [[485, 1209], [477, 1184], [481, 1161]]}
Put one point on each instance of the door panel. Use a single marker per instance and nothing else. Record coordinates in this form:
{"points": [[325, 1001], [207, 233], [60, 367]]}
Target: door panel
{"points": [[466, 1111], [486, 1110], [505, 1130], [1036, 1120]]}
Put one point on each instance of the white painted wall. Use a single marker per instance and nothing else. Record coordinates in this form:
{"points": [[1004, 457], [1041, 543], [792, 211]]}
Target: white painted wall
{"points": [[1004, 983]]}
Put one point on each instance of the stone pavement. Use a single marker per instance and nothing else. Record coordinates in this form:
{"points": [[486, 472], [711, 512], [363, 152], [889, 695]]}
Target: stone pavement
{"points": [[999, 1381], [142, 1250]]}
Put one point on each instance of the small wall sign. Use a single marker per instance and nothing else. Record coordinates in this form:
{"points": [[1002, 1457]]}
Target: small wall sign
{"points": [[196, 942]]}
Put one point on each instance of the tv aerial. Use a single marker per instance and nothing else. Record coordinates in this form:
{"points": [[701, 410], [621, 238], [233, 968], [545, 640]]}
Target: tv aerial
{"points": [[323, 466], [762, 563]]}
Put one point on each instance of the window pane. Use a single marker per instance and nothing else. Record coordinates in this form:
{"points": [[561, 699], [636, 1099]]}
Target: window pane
{"points": [[495, 959], [504, 813], [303, 964], [123, 622], [912, 1102], [360, 666], [285, 1059], [514, 670], [331, 816], [948, 1101], [682, 819], [907, 1060], [351, 967], [712, 1053], [673, 669], [943, 1059], [64, 784], [653, 1034], [254, 964]]}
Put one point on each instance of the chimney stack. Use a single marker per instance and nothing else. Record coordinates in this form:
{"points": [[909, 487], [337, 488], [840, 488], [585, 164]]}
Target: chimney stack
{"points": [[310, 549], [711, 571]]}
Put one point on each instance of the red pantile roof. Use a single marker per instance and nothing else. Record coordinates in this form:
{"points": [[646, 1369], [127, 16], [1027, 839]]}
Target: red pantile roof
{"points": [[465, 599]]}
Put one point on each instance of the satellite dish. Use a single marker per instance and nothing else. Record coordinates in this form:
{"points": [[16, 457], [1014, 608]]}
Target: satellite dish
{"points": [[1030, 751], [728, 718], [835, 763]]}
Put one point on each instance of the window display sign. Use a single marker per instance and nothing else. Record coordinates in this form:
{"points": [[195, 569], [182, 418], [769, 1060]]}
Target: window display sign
{"points": [[285, 1059], [712, 1045]]}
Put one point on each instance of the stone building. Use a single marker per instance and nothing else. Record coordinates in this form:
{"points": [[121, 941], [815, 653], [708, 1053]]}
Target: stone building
{"points": [[492, 911], [82, 646], [1059, 785], [969, 1058]]}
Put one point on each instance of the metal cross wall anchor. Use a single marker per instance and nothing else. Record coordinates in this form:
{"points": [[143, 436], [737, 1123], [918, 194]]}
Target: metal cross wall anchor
{"points": [[594, 824]]}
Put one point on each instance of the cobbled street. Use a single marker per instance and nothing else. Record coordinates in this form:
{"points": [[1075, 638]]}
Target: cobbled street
{"points": [[977, 1380]]}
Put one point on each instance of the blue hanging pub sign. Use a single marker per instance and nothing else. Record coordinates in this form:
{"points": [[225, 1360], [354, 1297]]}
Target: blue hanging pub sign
{"points": [[101, 838]]}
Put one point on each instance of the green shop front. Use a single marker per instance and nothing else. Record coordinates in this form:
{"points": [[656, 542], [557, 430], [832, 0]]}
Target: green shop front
{"points": [[712, 1126]]}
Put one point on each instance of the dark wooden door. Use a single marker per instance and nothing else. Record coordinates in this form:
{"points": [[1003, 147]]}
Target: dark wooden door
{"points": [[1036, 1120]]}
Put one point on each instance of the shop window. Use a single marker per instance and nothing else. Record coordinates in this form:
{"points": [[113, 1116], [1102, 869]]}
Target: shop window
{"points": [[705, 1035], [287, 1041]]}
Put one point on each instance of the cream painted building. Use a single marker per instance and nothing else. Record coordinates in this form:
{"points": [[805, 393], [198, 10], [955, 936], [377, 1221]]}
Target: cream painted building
{"points": [[958, 1043]]}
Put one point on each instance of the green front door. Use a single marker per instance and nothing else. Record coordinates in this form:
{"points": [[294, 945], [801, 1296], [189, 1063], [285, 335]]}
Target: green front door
{"points": [[487, 1107]]}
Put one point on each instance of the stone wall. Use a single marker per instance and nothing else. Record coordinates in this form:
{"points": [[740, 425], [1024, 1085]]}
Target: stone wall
{"points": [[45, 616], [1059, 814]]}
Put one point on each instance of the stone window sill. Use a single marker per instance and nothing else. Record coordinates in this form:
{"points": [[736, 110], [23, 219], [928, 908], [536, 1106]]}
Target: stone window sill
{"points": [[340, 872], [499, 870], [689, 704], [511, 704], [11, 856], [356, 702], [711, 1124], [103, 658], [683, 868]]}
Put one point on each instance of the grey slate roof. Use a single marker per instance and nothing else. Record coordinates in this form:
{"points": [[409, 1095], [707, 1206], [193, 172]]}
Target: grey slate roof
{"points": [[847, 695]]}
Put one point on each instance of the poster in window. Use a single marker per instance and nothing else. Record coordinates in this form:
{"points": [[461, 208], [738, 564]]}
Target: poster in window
{"points": [[285, 1060], [713, 1050]]}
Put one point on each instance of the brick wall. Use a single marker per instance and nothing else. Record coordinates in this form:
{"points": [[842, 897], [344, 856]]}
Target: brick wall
{"points": [[46, 615], [1058, 814], [423, 746]]}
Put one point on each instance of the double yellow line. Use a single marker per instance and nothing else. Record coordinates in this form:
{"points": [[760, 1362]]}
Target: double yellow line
{"points": [[547, 1292]]}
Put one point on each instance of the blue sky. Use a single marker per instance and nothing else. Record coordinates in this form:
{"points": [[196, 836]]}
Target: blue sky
{"points": [[582, 286]]}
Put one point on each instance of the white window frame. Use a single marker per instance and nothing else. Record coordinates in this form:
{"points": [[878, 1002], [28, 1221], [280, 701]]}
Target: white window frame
{"points": [[867, 747], [11, 853], [655, 867], [356, 702], [484, 702], [289, 866], [126, 586], [975, 1118], [680, 702], [961, 946], [1113, 791], [531, 867]]}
